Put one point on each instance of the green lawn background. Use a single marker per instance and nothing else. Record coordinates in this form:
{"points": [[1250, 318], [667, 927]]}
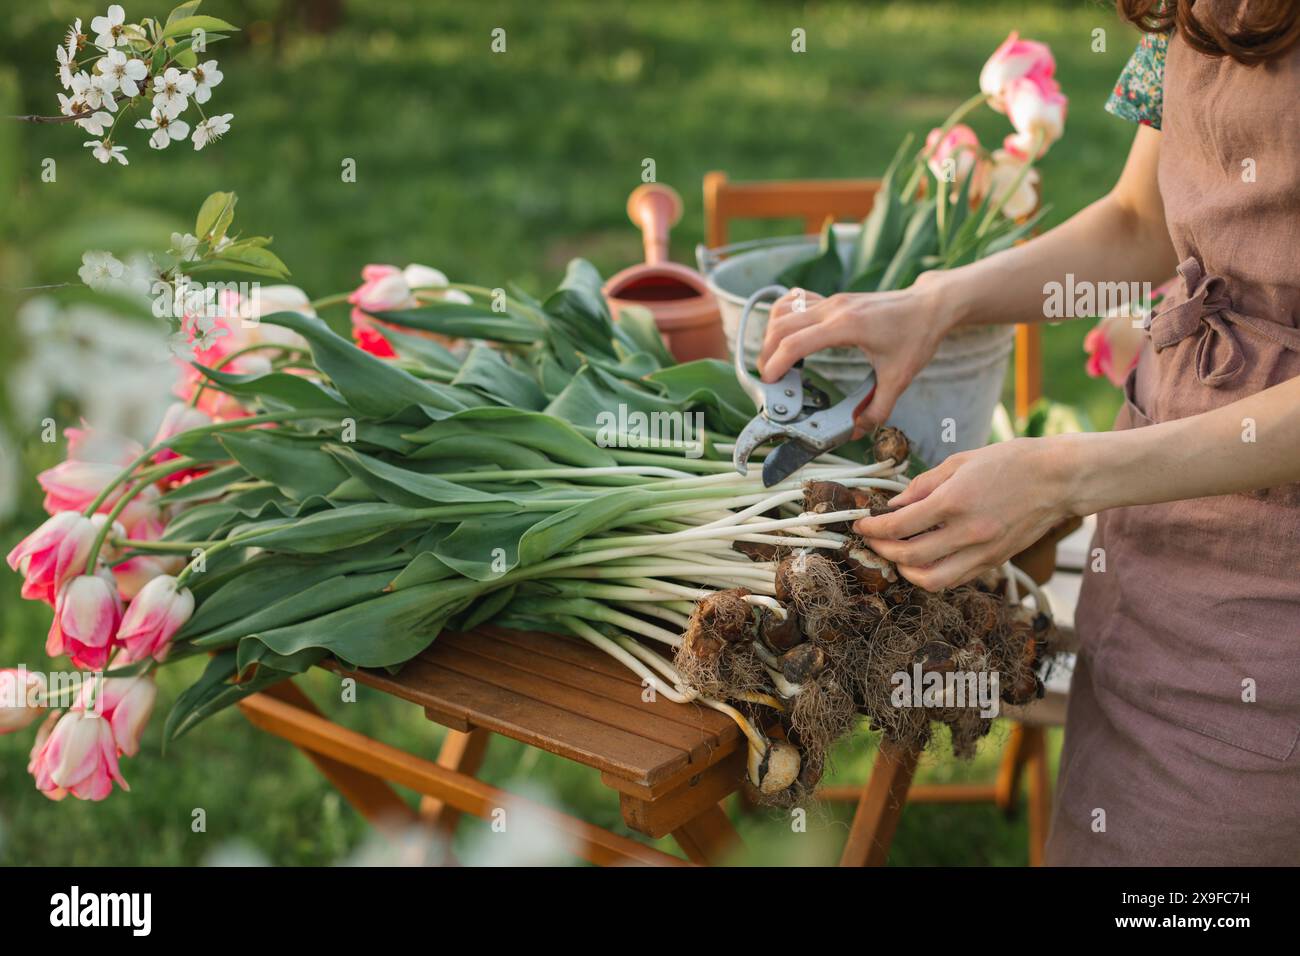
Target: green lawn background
{"points": [[497, 167]]}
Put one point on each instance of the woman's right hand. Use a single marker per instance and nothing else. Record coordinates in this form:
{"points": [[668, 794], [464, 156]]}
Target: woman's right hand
{"points": [[898, 332]]}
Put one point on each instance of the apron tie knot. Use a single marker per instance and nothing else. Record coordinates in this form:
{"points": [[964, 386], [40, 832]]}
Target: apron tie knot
{"points": [[1206, 311]]}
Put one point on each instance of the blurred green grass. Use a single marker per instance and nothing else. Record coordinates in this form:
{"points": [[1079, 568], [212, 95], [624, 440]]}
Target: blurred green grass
{"points": [[497, 167]]}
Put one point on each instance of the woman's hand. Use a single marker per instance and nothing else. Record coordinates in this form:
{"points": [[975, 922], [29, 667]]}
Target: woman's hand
{"points": [[976, 510], [897, 331]]}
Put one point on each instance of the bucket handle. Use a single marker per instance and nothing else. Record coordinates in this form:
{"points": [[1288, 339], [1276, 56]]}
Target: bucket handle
{"points": [[708, 259], [751, 385]]}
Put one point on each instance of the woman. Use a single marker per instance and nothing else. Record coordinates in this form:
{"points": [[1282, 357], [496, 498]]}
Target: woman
{"points": [[1184, 713]]}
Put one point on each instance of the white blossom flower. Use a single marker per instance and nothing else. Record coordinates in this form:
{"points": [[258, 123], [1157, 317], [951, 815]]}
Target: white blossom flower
{"points": [[110, 31], [84, 92], [100, 270], [70, 107], [105, 151], [165, 128], [211, 129], [96, 125], [103, 87], [122, 72], [66, 63], [172, 91], [206, 76], [185, 245], [74, 39]]}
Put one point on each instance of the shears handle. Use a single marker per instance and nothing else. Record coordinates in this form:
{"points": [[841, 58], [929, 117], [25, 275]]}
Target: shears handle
{"points": [[779, 401]]}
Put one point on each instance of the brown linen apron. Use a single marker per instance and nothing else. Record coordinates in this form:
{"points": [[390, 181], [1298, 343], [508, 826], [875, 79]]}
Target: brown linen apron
{"points": [[1169, 758]]}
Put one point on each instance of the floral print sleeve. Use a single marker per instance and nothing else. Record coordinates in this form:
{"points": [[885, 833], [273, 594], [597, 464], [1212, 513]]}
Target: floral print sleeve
{"points": [[1139, 92]]}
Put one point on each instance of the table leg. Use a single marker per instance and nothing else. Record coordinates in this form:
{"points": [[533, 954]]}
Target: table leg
{"points": [[709, 838], [463, 752], [371, 795], [880, 806]]}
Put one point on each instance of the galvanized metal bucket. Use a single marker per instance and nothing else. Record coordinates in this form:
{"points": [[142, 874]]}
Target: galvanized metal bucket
{"points": [[949, 405]]}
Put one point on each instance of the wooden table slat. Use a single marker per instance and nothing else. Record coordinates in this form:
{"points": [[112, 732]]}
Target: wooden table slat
{"points": [[695, 718]]}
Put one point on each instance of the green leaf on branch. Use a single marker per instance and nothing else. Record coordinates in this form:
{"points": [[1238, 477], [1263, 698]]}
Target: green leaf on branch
{"points": [[185, 25], [215, 216], [182, 10]]}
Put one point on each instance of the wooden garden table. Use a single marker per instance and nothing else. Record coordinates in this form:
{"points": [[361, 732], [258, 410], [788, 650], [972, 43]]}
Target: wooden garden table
{"points": [[670, 764]]}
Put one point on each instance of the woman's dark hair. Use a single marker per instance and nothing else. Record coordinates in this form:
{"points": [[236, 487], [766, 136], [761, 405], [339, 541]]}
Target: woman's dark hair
{"points": [[1250, 33]]}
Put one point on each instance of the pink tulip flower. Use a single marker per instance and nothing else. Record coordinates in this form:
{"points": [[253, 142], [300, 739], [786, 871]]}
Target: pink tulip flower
{"points": [[92, 444], [955, 156], [38, 764], [54, 553], [134, 573], [20, 698], [1014, 59], [87, 613], [180, 417], [369, 339], [1005, 171], [73, 484], [125, 703], [385, 288], [1036, 108], [79, 756], [153, 618]]}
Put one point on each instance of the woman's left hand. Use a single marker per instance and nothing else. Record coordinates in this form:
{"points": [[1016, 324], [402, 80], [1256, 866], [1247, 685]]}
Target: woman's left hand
{"points": [[974, 511]]}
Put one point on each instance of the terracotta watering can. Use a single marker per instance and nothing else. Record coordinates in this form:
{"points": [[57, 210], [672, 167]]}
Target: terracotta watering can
{"points": [[684, 309]]}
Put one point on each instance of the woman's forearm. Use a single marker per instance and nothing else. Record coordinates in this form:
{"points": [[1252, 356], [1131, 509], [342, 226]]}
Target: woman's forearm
{"points": [[1103, 243], [1250, 444]]}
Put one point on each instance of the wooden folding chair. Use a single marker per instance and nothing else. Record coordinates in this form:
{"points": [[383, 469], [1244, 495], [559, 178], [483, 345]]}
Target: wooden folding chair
{"points": [[881, 800]]}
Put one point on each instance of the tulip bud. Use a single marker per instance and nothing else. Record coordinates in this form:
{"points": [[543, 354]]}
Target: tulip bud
{"points": [[1037, 110], [959, 145], [1014, 59], [125, 703], [134, 573], [20, 703], [72, 485], [86, 616], [1006, 171], [53, 554], [38, 764], [424, 277], [79, 757], [153, 618]]}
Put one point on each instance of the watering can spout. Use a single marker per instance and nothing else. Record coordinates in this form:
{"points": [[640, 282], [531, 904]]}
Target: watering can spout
{"points": [[654, 208], [678, 298]]}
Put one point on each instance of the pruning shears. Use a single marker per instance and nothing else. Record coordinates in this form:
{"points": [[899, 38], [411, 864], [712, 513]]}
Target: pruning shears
{"points": [[792, 409]]}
